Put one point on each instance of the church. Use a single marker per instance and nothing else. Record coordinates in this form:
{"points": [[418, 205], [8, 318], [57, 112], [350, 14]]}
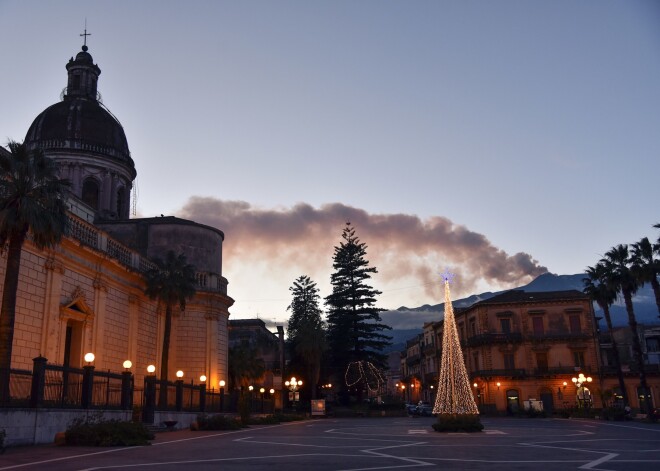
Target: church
{"points": [[86, 295]]}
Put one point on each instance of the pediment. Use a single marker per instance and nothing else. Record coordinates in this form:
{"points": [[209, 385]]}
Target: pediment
{"points": [[77, 307]]}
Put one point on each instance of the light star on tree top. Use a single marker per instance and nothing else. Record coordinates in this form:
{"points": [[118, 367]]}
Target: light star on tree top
{"points": [[447, 276]]}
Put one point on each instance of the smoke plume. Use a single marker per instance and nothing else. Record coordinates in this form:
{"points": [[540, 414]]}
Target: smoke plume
{"points": [[275, 246]]}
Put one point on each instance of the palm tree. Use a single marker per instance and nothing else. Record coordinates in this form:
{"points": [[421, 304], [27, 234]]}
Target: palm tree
{"points": [[620, 277], [32, 199], [646, 265], [171, 282], [596, 287]]}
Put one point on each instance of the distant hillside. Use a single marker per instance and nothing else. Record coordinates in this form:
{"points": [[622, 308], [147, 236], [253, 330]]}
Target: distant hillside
{"points": [[408, 322]]}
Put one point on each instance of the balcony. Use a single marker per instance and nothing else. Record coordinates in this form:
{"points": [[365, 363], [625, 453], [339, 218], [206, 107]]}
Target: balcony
{"points": [[560, 370], [511, 373], [486, 339], [413, 359], [429, 348], [95, 239], [568, 336]]}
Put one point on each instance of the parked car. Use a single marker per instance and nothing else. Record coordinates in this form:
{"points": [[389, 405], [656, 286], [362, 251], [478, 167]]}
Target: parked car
{"points": [[410, 408], [424, 410]]}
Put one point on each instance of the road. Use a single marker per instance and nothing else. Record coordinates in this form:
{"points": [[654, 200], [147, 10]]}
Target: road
{"points": [[370, 444]]}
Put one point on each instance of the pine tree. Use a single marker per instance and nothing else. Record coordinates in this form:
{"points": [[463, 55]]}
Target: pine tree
{"points": [[354, 322], [306, 330]]}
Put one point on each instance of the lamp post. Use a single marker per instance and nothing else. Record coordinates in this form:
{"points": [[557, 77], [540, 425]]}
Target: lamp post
{"points": [[179, 391], [126, 381], [582, 392], [88, 381], [149, 395], [202, 393], [294, 395], [262, 391], [222, 394]]}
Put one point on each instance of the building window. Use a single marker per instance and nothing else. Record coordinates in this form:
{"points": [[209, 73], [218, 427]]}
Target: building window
{"points": [[90, 193], [120, 203], [574, 323], [509, 362], [473, 327], [652, 345], [505, 325], [537, 325], [578, 359], [542, 361]]}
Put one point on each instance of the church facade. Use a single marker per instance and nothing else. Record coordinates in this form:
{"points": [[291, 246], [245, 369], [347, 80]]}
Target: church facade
{"points": [[87, 294]]}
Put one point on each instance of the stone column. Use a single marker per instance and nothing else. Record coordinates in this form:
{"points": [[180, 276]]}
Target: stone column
{"points": [[50, 319], [97, 344], [133, 324], [211, 362]]}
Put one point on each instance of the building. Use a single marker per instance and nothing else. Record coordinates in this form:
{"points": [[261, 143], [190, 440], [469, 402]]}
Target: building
{"points": [[87, 294], [267, 346], [521, 346]]}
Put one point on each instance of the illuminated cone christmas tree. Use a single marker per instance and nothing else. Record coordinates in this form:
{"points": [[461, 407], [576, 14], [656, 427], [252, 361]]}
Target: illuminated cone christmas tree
{"points": [[454, 393]]}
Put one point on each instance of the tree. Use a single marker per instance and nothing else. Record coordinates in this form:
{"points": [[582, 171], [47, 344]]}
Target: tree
{"points": [[620, 277], [596, 287], [354, 323], [646, 265], [306, 330], [245, 364], [171, 282], [32, 199]]}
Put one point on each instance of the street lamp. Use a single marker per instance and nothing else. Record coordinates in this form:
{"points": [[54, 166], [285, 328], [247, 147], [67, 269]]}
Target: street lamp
{"points": [[582, 392], [293, 384]]}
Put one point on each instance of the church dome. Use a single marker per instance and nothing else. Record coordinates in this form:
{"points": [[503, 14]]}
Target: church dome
{"points": [[79, 124], [87, 142]]}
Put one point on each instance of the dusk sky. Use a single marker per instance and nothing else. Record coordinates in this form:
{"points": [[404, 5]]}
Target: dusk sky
{"points": [[499, 139]]}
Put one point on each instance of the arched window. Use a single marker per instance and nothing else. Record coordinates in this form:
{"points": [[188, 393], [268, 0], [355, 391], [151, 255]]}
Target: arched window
{"points": [[121, 202], [90, 192]]}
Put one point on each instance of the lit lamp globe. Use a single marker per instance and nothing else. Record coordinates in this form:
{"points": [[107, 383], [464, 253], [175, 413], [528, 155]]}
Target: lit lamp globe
{"points": [[202, 378], [262, 390], [89, 357], [127, 364], [151, 369], [222, 383], [250, 387], [272, 391], [179, 374]]}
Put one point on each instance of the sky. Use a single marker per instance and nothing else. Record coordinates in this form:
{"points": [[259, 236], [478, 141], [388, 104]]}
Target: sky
{"points": [[496, 139]]}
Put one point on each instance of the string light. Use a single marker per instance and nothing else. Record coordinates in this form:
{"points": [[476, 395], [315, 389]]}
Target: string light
{"points": [[363, 371], [454, 393]]}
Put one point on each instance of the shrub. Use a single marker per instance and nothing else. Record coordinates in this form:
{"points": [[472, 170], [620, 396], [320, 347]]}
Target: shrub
{"points": [[265, 420], [280, 417], [458, 423], [3, 434], [93, 431], [217, 422]]}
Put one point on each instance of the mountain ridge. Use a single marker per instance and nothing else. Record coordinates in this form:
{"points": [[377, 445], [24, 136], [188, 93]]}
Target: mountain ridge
{"points": [[408, 322]]}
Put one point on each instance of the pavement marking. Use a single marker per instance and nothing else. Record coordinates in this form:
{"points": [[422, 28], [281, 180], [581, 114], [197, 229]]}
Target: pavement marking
{"points": [[600, 460], [494, 432], [417, 431]]}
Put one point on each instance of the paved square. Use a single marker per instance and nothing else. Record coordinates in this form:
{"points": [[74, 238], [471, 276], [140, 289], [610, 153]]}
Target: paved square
{"points": [[372, 444]]}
